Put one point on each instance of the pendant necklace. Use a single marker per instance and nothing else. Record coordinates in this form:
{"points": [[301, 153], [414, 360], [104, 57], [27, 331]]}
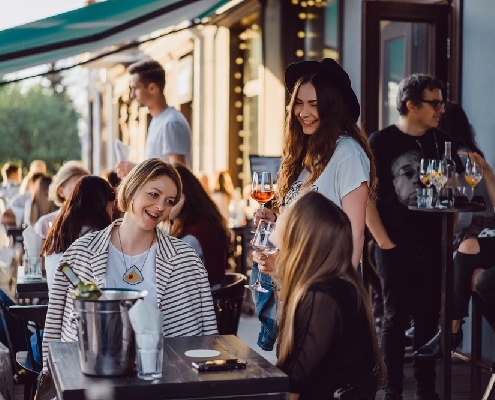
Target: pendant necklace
{"points": [[133, 275]]}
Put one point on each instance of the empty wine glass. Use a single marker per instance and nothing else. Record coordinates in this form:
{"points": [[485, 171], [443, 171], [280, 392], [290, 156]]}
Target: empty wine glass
{"points": [[264, 247]]}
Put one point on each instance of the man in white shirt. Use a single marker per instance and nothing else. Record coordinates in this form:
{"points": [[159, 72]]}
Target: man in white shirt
{"points": [[11, 175], [169, 134]]}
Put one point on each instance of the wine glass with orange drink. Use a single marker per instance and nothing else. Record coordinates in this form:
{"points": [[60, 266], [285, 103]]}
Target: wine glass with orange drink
{"points": [[473, 175], [426, 171], [262, 187], [438, 178]]}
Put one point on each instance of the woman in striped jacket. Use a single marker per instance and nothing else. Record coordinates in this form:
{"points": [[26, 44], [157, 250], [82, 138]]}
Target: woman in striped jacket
{"points": [[138, 255]]}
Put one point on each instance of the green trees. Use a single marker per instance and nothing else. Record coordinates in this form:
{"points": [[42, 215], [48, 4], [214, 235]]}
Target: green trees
{"points": [[37, 123]]}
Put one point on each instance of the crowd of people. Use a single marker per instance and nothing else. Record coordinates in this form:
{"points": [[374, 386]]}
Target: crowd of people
{"points": [[155, 225]]}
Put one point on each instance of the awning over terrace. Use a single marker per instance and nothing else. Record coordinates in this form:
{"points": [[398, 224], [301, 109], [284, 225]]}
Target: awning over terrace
{"points": [[96, 27]]}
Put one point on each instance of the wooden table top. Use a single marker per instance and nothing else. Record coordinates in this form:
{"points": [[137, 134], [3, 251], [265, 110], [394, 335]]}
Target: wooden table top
{"points": [[30, 288], [180, 380], [467, 208]]}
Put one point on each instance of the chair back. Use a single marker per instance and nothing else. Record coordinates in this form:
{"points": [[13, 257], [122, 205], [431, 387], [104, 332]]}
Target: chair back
{"points": [[33, 318], [5, 327], [227, 300]]}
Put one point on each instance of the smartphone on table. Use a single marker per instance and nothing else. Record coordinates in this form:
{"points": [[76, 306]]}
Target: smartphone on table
{"points": [[219, 365]]}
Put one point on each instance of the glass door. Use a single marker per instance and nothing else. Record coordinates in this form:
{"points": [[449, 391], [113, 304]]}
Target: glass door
{"points": [[404, 50], [409, 38]]}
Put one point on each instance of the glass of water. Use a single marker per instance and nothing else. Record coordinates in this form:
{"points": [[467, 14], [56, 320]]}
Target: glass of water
{"points": [[424, 197]]}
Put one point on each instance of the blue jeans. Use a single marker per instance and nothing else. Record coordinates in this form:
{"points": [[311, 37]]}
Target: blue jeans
{"points": [[265, 309]]}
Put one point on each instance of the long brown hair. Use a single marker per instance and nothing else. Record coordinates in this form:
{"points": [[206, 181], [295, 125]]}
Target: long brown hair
{"points": [[223, 184], [306, 259], [41, 204], [313, 152], [199, 205], [86, 208]]}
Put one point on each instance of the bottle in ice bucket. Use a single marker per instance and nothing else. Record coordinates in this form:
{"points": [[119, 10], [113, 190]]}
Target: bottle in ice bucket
{"points": [[82, 290]]}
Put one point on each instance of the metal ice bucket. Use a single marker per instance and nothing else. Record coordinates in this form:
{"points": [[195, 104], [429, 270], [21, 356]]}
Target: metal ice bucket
{"points": [[106, 337]]}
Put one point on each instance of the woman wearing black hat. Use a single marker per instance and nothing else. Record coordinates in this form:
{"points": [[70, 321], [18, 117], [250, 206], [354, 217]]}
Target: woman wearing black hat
{"points": [[325, 149]]}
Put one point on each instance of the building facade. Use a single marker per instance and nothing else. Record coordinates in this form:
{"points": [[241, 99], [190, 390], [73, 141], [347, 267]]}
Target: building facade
{"points": [[226, 75]]}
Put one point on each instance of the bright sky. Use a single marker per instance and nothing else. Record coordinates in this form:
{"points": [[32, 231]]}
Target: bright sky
{"points": [[19, 12]]}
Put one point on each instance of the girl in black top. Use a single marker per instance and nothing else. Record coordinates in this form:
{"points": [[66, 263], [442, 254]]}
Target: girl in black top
{"points": [[326, 331]]}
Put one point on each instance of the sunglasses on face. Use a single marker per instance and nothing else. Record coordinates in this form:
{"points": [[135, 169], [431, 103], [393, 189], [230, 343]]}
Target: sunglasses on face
{"points": [[436, 104]]}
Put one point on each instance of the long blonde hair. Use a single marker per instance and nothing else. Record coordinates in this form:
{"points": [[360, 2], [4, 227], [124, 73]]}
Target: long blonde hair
{"points": [[306, 258]]}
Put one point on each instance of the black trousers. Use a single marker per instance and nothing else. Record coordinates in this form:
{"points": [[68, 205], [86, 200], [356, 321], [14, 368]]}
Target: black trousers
{"points": [[464, 266], [410, 276]]}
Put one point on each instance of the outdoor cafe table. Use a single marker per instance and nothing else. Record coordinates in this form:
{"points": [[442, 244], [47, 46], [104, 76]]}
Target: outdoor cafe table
{"points": [[447, 289], [180, 380], [30, 289]]}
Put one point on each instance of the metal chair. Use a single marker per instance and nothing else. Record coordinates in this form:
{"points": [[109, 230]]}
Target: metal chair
{"points": [[227, 300], [33, 321]]}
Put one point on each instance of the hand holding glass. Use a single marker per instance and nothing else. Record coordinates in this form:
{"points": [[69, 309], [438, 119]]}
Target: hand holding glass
{"points": [[264, 247]]}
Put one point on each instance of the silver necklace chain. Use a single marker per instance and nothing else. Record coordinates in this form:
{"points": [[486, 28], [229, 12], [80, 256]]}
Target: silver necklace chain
{"points": [[123, 254], [436, 145]]}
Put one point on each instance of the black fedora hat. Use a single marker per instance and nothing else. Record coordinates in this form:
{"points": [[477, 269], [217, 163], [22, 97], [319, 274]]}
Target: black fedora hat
{"points": [[332, 70]]}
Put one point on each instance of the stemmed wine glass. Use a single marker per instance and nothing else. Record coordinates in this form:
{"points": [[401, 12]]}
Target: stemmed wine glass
{"points": [[425, 172], [262, 245], [438, 176], [262, 187], [474, 174]]}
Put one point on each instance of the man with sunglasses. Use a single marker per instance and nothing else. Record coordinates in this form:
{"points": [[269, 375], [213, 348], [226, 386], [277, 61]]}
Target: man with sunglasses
{"points": [[408, 251]]}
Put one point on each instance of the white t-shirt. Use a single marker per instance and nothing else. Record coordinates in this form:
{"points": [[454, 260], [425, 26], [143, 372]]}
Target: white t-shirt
{"points": [[51, 265], [52, 260], [8, 191], [168, 133], [117, 269], [45, 222], [19, 203], [346, 170]]}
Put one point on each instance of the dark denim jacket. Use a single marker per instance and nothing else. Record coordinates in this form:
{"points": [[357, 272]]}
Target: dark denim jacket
{"points": [[265, 310]]}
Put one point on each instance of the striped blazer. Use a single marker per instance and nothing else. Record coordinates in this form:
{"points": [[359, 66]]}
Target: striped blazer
{"points": [[183, 291]]}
